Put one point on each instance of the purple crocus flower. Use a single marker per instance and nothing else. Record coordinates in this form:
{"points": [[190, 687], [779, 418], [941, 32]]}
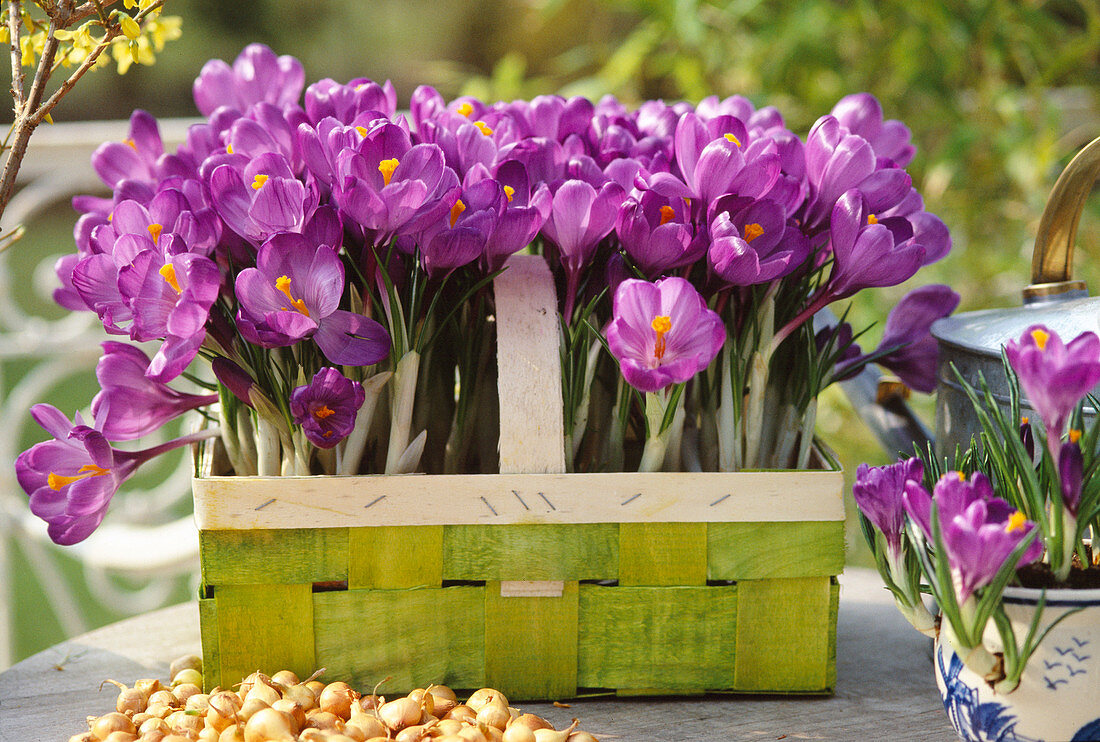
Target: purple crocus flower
{"points": [[878, 492], [346, 103], [261, 197], [130, 404], [234, 378], [390, 187], [459, 237], [979, 531], [294, 292], [1054, 375], [754, 244], [579, 218], [1071, 466], [908, 329], [135, 158], [526, 210], [868, 253], [326, 407], [861, 114], [837, 161], [662, 333], [170, 298], [257, 76], [72, 478], [657, 233]]}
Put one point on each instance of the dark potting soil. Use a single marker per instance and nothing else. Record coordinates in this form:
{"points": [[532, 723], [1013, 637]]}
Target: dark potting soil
{"points": [[1040, 576]]}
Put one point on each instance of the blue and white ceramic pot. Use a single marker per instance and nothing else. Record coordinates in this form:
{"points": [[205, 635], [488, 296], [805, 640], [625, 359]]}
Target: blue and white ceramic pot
{"points": [[1059, 695]]}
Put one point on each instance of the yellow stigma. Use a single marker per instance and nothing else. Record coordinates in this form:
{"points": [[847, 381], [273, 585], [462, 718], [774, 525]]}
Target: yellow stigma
{"points": [[872, 219], [456, 210], [168, 272], [962, 476], [661, 325], [1025, 420], [667, 214], [362, 130], [1074, 436], [282, 283], [131, 143], [258, 181], [1016, 522], [229, 149], [323, 411], [386, 167], [509, 191], [57, 481], [752, 231], [483, 127], [464, 109], [155, 230], [1041, 337], [732, 138]]}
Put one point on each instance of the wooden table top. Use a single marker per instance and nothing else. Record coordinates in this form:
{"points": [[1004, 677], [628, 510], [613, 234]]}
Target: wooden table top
{"points": [[885, 685]]}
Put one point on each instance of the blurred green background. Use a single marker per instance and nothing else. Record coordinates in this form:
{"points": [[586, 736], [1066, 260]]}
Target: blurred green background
{"points": [[998, 95]]}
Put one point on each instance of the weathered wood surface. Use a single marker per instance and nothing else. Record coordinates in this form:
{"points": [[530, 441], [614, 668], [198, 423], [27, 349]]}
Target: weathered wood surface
{"points": [[885, 686]]}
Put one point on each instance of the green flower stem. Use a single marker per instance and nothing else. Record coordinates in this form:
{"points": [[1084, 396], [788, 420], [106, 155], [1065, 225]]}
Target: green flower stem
{"points": [[912, 608], [403, 395], [268, 460], [658, 434], [229, 440], [805, 444], [246, 439], [350, 454], [728, 422], [754, 408], [580, 419], [1069, 543]]}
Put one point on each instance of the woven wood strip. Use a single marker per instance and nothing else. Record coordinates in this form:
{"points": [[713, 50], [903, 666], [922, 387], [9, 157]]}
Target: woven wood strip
{"points": [[274, 556], [643, 638], [755, 551], [415, 637], [264, 627], [392, 557], [531, 644], [211, 656], [662, 554], [786, 634], [531, 552]]}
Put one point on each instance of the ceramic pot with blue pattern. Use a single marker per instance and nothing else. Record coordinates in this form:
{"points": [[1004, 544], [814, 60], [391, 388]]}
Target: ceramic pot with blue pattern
{"points": [[1058, 699]]}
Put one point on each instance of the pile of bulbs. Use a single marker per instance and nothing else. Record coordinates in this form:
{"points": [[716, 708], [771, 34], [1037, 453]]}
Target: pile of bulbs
{"points": [[282, 708]]}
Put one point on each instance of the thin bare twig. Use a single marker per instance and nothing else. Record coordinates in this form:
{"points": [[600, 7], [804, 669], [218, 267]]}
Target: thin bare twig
{"points": [[89, 9], [15, 31]]}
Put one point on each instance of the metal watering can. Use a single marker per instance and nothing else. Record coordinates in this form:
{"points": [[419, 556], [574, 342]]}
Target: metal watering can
{"points": [[972, 341]]}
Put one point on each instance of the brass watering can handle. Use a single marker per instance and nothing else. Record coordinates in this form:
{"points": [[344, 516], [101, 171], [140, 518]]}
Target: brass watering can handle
{"points": [[1052, 261]]}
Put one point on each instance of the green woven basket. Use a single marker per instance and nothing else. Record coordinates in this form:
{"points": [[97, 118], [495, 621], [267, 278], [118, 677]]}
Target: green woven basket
{"points": [[543, 585]]}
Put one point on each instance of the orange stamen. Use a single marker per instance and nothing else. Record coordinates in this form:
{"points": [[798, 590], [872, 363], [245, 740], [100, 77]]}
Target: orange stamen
{"points": [[155, 230], [464, 109], [168, 272], [386, 167], [282, 283], [259, 180], [322, 412], [457, 210], [483, 127], [732, 138], [1041, 337], [872, 219], [509, 191], [752, 231], [57, 481], [661, 325], [1016, 522], [1074, 436], [667, 214]]}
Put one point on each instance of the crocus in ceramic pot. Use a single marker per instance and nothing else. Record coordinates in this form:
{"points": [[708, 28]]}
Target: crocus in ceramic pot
{"points": [[1002, 539]]}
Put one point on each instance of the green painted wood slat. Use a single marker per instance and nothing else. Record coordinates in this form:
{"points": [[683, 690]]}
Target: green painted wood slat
{"points": [[671, 638], [264, 627], [531, 644], [415, 637], [756, 551], [531, 552], [662, 553], [274, 556], [392, 557]]}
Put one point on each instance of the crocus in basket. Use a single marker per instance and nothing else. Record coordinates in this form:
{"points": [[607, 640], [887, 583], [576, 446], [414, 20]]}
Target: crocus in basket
{"points": [[322, 266], [1004, 511]]}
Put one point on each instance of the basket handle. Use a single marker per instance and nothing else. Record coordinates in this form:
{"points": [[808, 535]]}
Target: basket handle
{"points": [[1052, 260], [532, 427]]}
